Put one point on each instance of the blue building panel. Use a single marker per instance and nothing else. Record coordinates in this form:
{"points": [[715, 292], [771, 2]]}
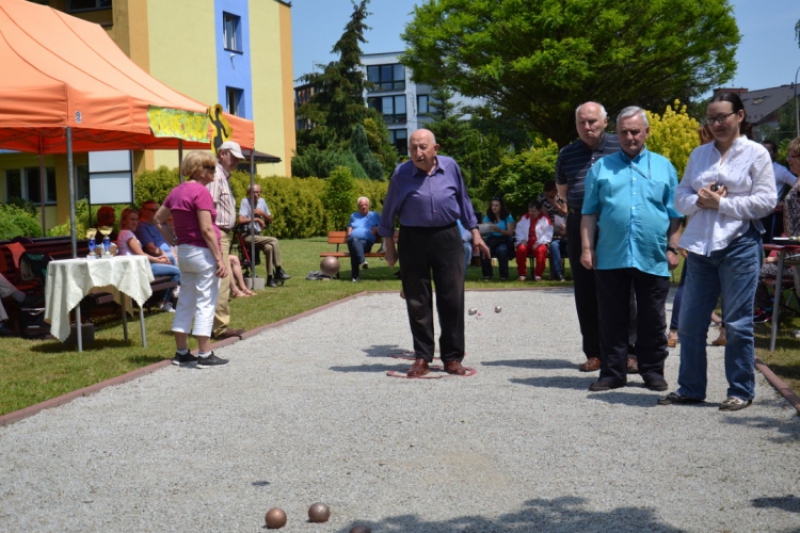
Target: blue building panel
{"points": [[234, 63]]}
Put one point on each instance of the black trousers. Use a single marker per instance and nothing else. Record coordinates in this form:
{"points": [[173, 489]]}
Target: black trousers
{"points": [[613, 293], [434, 254], [585, 288]]}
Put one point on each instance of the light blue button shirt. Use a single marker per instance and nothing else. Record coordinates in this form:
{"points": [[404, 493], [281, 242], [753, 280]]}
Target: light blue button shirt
{"points": [[634, 201]]}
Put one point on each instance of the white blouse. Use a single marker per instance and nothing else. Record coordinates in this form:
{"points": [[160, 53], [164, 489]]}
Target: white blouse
{"points": [[746, 173]]}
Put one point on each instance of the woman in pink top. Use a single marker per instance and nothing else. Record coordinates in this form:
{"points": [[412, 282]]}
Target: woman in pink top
{"points": [[199, 258]]}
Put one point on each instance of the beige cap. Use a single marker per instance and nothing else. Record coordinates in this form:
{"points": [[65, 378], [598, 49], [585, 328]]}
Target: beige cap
{"points": [[233, 148]]}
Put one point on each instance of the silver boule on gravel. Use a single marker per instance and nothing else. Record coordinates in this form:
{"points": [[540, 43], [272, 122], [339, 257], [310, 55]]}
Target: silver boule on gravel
{"points": [[275, 518], [473, 311], [497, 308], [319, 512]]}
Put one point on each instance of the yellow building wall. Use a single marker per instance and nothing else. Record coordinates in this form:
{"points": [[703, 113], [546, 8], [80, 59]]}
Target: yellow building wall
{"points": [[270, 23], [182, 54]]}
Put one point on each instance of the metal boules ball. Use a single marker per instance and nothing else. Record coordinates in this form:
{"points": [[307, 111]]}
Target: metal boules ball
{"points": [[275, 518], [497, 309], [360, 529], [319, 512], [473, 311], [329, 266]]}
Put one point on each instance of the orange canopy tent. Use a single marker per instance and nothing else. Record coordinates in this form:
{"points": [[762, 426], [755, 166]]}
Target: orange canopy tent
{"points": [[62, 72]]}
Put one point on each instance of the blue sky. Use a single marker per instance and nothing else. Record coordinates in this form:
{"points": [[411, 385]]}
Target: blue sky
{"points": [[768, 55]]}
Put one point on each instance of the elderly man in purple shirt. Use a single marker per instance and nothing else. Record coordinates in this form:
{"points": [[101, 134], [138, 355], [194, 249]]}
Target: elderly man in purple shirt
{"points": [[429, 195]]}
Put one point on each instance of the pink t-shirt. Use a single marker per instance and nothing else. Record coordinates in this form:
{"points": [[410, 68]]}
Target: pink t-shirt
{"points": [[184, 201]]}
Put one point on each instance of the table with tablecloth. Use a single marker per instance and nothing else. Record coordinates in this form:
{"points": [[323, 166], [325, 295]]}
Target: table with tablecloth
{"points": [[70, 280]]}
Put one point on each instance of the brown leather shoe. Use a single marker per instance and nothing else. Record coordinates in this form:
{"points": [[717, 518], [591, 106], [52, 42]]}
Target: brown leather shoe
{"points": [[228, 333], [633, 366], [591, 365], [454, 367], [418, 369]]}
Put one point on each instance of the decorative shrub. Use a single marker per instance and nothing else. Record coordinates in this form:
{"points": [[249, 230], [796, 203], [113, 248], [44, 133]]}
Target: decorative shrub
{"points": [[16, 221]]}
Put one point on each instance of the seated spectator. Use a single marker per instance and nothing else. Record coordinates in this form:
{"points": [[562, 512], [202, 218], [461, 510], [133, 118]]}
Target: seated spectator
{"points": [[362, 231], [533, 234], [466, 239], [7, 289], [150, 238], [259, 218], [556, 209], [499, 241], [238, 286], [128, 244], [106, 217], [791, 225]]}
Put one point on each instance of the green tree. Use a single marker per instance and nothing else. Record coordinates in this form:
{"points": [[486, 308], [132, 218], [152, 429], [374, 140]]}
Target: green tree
{"points": [[339, 196], [337, 104], [539, 60], [359, 145], [673, 135]]}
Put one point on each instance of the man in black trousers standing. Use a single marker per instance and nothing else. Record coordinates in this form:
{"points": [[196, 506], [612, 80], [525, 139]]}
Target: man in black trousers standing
{"points": [[428, 195]]}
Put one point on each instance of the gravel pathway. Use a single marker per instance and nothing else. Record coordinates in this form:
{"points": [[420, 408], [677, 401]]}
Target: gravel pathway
{"points": [[305, 412]]}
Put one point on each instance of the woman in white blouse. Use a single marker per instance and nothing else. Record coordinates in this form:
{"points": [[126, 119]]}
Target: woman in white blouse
{"points": [[727, 188]]}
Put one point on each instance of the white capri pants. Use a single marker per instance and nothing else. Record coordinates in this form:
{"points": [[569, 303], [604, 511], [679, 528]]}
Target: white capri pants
{"points": [[199, 291]]}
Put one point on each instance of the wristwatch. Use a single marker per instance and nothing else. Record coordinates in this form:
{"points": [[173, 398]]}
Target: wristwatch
{"points": [[672, 249]]}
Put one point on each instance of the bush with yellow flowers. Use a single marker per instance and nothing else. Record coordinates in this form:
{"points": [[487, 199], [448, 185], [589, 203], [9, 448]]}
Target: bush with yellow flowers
{"points": [[673, 135]]}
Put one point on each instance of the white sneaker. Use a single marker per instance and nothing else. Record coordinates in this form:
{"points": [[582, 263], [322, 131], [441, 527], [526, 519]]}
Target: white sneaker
{"points": [[538, 278], [365, 265], [166, 307], [176, 291]]}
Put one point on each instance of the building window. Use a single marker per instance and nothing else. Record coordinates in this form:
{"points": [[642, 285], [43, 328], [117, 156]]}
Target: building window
{"points": [[387, 77], [399, 138], [232, 33], [87, 5], [24, 183], [425, 104], [234, 101], [393, 108], [82, 173]]}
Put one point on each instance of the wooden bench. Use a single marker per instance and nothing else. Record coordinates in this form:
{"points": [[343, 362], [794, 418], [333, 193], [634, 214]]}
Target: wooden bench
{"points": [[340, 238]]}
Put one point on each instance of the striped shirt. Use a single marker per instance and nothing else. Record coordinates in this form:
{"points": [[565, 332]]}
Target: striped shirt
{"points": [[574, 162], [224, 202]]}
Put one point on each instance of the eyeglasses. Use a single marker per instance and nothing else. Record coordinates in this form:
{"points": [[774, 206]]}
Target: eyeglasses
{"points": [[789, 157], [719, 119], [256, 192], [210, 167]]}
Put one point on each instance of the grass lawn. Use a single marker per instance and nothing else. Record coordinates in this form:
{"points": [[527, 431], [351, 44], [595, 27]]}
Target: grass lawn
{"points": [[35, 371]]}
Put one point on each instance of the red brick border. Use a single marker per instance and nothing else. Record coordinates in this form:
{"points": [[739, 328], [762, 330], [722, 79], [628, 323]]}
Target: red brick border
{"points": [[779, 384]]}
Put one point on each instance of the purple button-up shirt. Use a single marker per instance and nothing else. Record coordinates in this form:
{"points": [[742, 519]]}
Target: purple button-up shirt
{"points": [[427, 201]]}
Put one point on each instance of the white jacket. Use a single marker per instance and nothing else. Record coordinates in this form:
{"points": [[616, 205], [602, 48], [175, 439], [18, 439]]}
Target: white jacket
{"points": [[543, 229]]}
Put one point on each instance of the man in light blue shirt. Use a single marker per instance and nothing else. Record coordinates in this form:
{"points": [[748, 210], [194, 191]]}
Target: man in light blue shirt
{"points": [[361, 235], [629, 203]]}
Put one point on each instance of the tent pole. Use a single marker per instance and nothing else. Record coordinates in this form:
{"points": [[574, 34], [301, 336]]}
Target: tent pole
{"points": [[253, 210], [180, 160], [71, 175], [41, 184]]}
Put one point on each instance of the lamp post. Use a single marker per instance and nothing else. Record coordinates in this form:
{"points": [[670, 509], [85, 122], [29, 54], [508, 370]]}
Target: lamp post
{"points": [[796, 107]]}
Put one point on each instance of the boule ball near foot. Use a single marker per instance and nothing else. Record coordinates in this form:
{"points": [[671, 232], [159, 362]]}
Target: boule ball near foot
{"points": [[319, 512], [275, 518]]}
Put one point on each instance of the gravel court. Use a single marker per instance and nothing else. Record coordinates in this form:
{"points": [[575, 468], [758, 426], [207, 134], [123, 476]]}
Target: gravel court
{"points": [[305, 412]]}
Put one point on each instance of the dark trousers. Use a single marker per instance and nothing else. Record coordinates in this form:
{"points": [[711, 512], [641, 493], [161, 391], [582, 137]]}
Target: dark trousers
{"points": [[436, 254], [357, 248], [613, 293], [585, 288]]}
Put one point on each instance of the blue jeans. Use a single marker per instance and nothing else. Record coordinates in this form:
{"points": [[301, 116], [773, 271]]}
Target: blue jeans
{"points": [[160, 269], [357, 249], [733, 273], [467, 257], [558, 248]]}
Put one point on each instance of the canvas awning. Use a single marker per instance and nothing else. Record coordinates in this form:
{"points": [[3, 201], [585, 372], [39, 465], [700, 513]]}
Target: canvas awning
{"points": [[60, 71]]}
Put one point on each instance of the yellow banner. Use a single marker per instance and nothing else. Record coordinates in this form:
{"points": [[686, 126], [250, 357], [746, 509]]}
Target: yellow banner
{"points": [[186, 125]]}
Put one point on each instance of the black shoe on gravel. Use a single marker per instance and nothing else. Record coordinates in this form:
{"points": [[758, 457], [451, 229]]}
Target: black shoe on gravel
{"points": [[210, 361], [185, 361]]}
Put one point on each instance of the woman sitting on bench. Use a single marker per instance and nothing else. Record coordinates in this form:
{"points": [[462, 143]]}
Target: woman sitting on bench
{"points": [[128, 244]]}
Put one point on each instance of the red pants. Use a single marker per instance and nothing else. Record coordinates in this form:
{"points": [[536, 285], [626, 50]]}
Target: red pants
{"points": [[539, 253]]}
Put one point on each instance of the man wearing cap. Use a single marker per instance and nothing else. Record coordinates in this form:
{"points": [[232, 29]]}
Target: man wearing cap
{"points": [[229, 154]]}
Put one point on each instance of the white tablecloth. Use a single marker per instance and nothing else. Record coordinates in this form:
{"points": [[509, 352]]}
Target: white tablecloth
{"points": [[69, 281]]}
